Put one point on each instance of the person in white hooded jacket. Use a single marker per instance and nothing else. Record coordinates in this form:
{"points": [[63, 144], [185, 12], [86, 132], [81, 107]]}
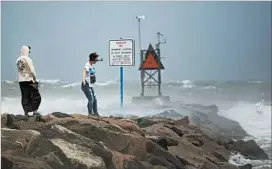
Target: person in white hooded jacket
{"points": [[31, 97]]}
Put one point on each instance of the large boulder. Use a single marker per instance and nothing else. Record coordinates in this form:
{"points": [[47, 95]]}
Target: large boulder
{"points": [[125, 143], [191, 155], [197, 150], [82, 150], [126, 161], [144, 122], [183, 121], [172, 114], [21, 122], [161, 129], [79, 155], [225, 165], [128, 125], [250, 149], [246, 166], [27, 149], [60, 115], [161, 141], [207, 118]]}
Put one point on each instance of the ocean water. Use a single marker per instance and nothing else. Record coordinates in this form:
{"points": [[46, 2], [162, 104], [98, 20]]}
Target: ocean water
{"points": [[247, 102]]}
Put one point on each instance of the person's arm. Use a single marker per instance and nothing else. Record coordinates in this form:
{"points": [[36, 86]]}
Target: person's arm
{"points": [[84, 76], [32, 69], [85, 71]]}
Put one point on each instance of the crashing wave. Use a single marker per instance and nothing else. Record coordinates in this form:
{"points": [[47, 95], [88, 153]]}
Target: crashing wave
{"points": [[76, 84], [183, 83], [9, 82], [107, 83], [71, 85], [255, 82], [209, 87], [239, 160], [52, 82]]}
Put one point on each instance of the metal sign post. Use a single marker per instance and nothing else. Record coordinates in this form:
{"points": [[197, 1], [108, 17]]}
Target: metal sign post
{"points": [[122, 53], [121, 86]]}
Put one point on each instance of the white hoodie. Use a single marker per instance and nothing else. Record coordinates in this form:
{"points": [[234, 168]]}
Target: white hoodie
{"points": [[25, 66]]}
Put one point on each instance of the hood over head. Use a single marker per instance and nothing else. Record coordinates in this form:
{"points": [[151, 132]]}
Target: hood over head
{"points": [[25, 50]]}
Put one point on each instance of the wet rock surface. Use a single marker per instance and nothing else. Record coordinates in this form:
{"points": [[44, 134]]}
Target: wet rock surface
{"points": [[249, 149], [62, 141]]}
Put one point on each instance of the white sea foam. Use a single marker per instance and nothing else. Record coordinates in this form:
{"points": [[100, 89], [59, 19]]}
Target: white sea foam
{"points": [[52, 81], [71, 85], [9, 82], [187, 84], [239, 160], [255, 119]]}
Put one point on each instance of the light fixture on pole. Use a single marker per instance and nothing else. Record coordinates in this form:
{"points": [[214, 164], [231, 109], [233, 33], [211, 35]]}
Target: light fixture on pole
{"points": [[139, 28], [140, 17]]}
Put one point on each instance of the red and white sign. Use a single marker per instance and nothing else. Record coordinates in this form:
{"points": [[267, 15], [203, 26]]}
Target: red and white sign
{"points": [[121, 52]]}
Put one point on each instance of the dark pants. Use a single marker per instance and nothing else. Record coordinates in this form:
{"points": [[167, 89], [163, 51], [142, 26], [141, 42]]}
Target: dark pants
{"points": [[31, 98], [92, 101]]}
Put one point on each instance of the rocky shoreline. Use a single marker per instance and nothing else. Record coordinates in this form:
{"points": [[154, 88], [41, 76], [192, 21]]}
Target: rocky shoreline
{"points": [[63, 141]]}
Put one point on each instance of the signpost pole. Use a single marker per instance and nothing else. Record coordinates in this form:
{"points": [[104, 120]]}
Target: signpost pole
{"points": [[121, 53], [121, 86]]}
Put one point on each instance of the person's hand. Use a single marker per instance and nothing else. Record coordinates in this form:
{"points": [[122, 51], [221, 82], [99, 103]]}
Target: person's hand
{"points": [[84, 82]]}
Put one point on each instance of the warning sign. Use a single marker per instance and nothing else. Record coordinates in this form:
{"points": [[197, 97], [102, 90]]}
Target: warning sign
{"points": [[121, 52], [150, 62]]}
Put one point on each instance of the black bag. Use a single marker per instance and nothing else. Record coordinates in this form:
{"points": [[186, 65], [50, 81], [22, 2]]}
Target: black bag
{"points": [[92, 79]]}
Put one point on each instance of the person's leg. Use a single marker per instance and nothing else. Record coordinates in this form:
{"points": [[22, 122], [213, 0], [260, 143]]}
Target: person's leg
{"points": [[35, 99], [94, 102], [95, 107], [86, 91], [24, 97]]}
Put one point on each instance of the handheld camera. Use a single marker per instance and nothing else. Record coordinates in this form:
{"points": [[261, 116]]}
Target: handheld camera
{"points": [[99, 60]]}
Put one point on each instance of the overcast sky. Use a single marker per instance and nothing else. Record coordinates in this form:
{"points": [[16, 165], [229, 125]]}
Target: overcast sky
{"points": [[205, 40]]}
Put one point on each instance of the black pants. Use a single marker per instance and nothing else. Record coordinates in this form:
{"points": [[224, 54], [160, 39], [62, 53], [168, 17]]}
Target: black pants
{"points": [[31, 98]]}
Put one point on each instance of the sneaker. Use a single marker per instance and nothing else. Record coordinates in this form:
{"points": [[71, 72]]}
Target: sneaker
{"points": [[36, 114], [96, 114], [26, 114]]}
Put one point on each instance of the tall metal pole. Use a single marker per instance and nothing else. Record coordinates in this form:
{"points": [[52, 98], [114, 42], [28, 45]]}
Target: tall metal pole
{"points": [[139, 31], [159, 55], [141, 56], [121, 86], [159, 70]]}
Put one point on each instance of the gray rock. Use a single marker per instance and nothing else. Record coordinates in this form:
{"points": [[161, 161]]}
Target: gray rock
{"points": [[250, 149], [247, 166]]}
